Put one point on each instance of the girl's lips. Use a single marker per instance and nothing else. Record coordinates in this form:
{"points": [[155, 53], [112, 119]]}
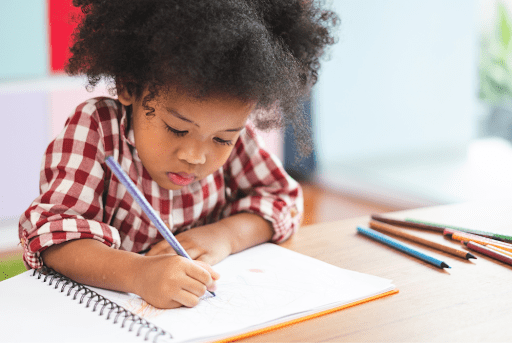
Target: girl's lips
{"points": [[181, 179]]}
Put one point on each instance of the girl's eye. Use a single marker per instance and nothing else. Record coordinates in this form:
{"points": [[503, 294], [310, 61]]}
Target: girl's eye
{"points": [[176, 132], [222, 141]]}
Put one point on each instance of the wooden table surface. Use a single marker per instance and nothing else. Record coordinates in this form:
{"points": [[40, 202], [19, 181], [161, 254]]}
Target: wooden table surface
{"points": [[470, 302]]}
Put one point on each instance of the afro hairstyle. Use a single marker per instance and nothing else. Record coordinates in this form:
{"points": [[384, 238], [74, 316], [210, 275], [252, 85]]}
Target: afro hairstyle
{"points": [[263, 51]]}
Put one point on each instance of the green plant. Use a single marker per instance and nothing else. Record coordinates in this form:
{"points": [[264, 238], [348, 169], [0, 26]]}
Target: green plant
{"points": [[11, 267], [496, 60]]}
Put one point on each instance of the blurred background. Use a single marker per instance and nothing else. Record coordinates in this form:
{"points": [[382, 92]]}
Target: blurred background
{"points": [[413, 107]]}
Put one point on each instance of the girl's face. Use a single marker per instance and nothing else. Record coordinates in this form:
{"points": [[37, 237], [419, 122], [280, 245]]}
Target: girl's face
{"points": [[186, 139]]}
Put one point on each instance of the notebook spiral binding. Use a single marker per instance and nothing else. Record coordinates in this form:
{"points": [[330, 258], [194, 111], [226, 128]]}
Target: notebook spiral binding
{"points": [[105, 306]]}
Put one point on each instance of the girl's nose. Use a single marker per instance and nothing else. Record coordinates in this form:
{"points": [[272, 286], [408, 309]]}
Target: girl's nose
{"points": [[192, 153]]}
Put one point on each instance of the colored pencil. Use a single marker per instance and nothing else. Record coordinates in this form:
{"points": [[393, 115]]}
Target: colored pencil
{"points": [[406, 224], [501, 251], [397, 232], [489, 252], [400, 246], [146, 207], [492, 235], [463, 237], [420, 224]]}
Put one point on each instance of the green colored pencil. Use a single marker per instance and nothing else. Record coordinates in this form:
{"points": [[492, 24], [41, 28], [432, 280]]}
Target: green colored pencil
{"points": [[497, 236]]}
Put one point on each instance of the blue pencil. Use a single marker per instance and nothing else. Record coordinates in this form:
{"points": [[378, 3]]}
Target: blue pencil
{"points": [[146, 207], [400, 246]]}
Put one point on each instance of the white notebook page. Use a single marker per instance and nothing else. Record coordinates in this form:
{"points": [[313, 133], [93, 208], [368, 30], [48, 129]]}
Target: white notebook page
{"points": [[258, 287]]}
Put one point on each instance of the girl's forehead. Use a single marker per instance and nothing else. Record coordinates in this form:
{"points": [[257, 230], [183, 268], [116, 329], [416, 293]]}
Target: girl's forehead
{"points": [[227, 112], [175, 99]]}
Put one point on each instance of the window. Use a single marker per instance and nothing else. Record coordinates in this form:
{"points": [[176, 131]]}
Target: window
{"points": [[396, 112]]}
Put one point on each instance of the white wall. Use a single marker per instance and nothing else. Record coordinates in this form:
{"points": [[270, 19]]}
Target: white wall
{"points": [[401, 79]]}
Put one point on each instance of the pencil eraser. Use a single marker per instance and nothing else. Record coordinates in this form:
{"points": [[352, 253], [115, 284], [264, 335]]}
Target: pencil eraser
{"points": [[448, 232]]}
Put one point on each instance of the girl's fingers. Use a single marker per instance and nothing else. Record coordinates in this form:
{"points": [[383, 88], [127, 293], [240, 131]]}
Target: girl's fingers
{"points": [[172, 304], [187, 298], [199, 273], [155, 249], [161, 248], [206, 259], [194, 253], [213, 274], [205, 275], [212, 287], [195, 287]]}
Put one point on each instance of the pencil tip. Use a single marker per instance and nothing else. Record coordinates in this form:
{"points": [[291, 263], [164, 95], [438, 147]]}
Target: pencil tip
{"points": [[468, 256], [444, 265]]}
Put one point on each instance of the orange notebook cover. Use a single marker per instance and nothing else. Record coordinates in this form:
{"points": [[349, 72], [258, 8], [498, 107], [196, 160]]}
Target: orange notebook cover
{"points": [[303, 319]]}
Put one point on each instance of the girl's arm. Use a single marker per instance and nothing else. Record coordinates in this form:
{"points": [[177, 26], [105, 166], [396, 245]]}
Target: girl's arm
{"points": [[73, 184], [257, 183], [165, 281], [214, 242]]}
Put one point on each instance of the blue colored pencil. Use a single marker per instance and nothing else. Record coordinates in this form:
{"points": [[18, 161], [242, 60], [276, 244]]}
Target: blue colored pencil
{"points": [[400, 246], [146, 207]]}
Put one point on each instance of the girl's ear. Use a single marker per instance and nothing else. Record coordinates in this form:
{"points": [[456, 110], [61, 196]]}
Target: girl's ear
{"points": [[124, 96]]}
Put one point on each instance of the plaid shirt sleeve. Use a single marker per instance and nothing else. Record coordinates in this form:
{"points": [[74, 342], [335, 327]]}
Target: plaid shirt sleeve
{"points": [[70, 204], [257, 183]]}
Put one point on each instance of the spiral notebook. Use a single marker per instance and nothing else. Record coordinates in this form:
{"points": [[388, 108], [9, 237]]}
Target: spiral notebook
{"points": [[260, 289]]}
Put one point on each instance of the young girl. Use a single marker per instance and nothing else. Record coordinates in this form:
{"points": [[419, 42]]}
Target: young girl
{"points": [[188, 77]]}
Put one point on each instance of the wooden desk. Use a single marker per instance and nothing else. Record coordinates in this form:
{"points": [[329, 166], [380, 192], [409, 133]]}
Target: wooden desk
{"points": [[471, 302]]}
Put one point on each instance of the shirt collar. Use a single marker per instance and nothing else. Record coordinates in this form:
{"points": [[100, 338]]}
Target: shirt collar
{"points": [[126, 127]]}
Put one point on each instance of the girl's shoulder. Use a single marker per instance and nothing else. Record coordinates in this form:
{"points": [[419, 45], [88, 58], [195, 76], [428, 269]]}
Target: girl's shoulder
{"points": [[99, 114], [101, 109], [100, 120]]}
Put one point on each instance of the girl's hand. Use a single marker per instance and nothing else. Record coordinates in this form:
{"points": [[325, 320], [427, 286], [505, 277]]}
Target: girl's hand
{"points": [[170, 281], [207, 243]]}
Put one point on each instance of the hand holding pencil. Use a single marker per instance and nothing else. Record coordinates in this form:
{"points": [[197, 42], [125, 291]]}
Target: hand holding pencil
{"points": [[150, 212]]}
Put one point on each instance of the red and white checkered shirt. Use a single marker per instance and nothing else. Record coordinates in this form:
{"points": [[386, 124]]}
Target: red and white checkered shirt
{"points": [[81, 197]]}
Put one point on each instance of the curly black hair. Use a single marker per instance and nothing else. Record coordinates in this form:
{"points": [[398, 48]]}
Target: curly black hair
{"points": [[266, 51]]}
